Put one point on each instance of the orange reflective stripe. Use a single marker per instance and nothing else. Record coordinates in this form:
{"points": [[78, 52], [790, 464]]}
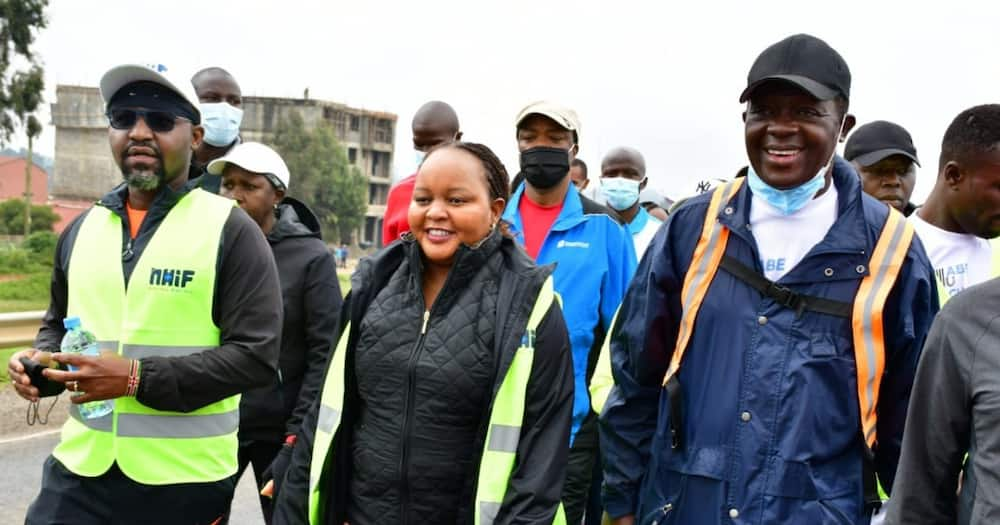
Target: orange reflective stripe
{"points": [[707, 254], [869, 342]]}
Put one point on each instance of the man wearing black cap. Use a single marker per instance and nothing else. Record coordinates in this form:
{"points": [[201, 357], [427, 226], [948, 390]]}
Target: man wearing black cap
{"points": [[180, 290], [740, 347], [884, 156]]}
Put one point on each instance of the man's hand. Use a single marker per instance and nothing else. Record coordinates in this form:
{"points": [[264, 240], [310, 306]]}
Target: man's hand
{"points": [[18, 377], [100, 378], [624, 520]]}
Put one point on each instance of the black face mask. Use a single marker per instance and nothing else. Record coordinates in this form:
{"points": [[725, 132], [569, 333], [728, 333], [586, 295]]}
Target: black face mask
{"points": [[544, 167]]}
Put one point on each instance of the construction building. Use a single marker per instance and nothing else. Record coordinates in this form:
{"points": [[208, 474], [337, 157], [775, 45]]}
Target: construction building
{"points": [[84, 169]]}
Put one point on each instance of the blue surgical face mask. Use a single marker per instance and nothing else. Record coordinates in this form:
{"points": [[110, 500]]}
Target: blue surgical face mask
{"points": [[621, 193], [221, 122], [793, 199]]}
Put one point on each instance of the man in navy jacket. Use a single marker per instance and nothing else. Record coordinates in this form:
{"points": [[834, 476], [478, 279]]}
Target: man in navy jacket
{"points": [[766, 427]]}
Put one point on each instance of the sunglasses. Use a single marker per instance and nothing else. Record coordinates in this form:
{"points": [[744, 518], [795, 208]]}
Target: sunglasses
{"points": [[158, 121]]}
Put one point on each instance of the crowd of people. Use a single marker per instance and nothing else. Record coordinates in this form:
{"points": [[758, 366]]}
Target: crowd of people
{"points": [[543, 348]]}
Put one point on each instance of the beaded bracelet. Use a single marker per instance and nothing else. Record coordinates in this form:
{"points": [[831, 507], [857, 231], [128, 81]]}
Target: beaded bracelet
{"points": [[133, 379]]}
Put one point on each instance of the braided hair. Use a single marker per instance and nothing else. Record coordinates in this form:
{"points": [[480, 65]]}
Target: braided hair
{"points": [[497, 179]]}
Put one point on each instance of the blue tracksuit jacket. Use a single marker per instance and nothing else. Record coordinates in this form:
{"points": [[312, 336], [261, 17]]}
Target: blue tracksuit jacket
{"points": [[595, 260], [770, 408]]}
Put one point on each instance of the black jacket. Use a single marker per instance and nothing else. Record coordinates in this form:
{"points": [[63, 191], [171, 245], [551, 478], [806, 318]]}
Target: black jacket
{"points": [[311, 298], [474, 328], [246, 307]]}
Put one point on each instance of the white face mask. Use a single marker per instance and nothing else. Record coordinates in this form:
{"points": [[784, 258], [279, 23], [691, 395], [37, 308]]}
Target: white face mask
{"points": [[221, 122]]}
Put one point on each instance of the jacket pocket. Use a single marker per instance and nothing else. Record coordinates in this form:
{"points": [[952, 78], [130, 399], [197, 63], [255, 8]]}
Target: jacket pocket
{"points": [[795, 488]]}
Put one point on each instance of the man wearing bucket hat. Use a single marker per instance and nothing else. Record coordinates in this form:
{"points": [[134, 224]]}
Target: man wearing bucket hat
{"points": [[884, 156], [180, 290], [256, 177], [775, 386]]}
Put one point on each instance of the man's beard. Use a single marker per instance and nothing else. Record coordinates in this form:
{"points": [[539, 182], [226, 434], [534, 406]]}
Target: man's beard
{"points": [[144, 180]]}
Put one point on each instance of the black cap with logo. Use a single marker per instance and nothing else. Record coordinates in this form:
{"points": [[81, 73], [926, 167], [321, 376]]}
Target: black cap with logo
{"points": [[805, 61], [877, 140]]}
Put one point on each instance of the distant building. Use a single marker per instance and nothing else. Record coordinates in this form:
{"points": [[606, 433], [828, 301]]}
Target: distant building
{"points": [[12, 180], [84, 169]]}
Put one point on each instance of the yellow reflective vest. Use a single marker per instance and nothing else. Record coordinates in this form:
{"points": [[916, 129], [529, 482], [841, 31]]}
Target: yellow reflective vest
{"points": [[499, 450], [166, 310]]}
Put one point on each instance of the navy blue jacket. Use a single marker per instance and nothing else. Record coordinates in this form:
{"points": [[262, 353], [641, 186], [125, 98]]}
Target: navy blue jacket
{"points": [[770, 405]]}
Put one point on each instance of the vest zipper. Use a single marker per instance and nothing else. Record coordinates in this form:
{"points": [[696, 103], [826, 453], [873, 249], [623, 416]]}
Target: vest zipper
{"points": [[411, 380]]}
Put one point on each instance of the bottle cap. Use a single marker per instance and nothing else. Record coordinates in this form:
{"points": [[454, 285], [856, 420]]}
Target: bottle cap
{"points": [[70, 323]]}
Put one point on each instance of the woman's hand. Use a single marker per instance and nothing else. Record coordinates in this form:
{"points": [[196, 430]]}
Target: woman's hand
{"points": [[98, 377]]}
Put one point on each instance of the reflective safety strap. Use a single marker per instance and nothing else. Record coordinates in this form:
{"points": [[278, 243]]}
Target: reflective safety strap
{"points": [[330, 413], [504, 438], [178, 426], [329, 418], [504, 432], [869, 341], [131, 351], [100, 424], [707, 254], [488, 511]]}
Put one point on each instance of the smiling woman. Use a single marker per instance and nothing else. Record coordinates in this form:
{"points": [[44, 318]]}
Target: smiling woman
{"points": [[449, 329]]}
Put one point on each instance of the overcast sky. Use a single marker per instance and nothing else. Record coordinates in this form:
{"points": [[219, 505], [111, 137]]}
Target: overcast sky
{"points": [[660, 77]]}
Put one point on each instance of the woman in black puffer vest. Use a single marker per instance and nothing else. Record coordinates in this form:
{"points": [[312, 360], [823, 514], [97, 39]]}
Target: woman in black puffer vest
{"points": [[430, 330]]}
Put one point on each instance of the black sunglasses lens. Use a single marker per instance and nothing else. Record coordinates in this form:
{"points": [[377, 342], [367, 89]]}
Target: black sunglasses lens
{"points": [[159, 121], [122, 118]]}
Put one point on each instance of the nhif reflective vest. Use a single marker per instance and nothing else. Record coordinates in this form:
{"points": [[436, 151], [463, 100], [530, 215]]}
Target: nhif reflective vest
{"points": [[166, 310], [502, 436], [866, 311]]}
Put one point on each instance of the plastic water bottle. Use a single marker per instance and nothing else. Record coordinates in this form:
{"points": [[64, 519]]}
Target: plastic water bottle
{"points": [[79, 341]]}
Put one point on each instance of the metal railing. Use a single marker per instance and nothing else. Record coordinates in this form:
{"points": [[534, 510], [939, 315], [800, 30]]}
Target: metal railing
{"points": [[19, 328]]}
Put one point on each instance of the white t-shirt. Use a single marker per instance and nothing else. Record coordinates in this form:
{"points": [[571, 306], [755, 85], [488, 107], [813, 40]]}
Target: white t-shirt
{"points": [[784, 240], [960, 260]]}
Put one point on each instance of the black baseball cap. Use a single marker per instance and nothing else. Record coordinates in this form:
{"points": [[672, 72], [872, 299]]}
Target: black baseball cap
{"points": [[805, 61], [877, 140]]}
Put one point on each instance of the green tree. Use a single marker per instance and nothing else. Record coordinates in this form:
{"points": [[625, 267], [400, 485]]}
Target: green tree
{"points": [[322, 176], [20, 20], [25, 96], [12, 217]]}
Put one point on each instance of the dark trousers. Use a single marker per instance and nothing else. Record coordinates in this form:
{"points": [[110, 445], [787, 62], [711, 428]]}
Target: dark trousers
{"points": [[580, 470], [260, 454], [114, 499]]}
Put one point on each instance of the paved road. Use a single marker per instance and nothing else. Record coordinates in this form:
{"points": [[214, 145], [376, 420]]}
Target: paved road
{"points": [[21, 476]]}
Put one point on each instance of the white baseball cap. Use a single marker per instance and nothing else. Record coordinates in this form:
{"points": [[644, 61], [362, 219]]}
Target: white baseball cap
{"points": [[121, 76], [562, 115], [255, 157]]}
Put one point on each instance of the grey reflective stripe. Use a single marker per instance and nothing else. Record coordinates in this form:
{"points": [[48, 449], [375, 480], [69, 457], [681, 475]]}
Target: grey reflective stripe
{"points": [[189, 426], [329, 417], [504, 438], [142, 351], [488, 511], [111, 346], [100, 424], [879, 276]]}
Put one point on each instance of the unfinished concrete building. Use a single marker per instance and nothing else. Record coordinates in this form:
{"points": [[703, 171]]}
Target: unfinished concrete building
{"points": [[84, 169]]}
